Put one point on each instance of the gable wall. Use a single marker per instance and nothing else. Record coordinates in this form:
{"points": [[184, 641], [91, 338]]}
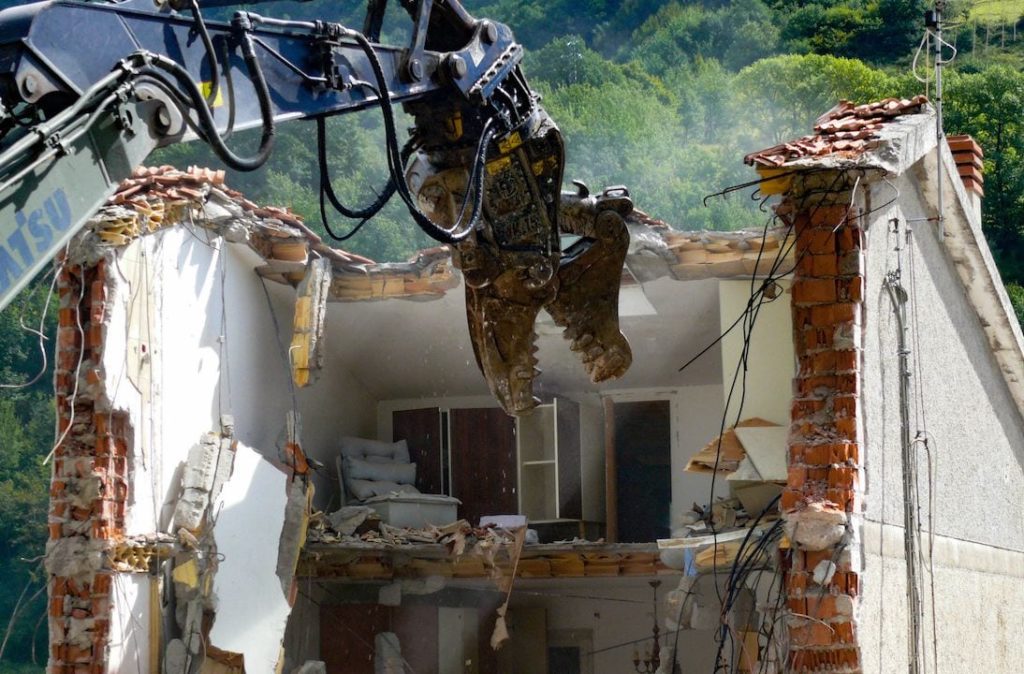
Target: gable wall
{"points": [[977, 445]]}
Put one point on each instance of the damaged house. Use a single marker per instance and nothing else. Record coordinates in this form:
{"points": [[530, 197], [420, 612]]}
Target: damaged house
{"points": [[276, 456]]}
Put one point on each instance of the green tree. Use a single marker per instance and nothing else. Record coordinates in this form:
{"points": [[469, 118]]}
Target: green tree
{"points": [[988, 105]]}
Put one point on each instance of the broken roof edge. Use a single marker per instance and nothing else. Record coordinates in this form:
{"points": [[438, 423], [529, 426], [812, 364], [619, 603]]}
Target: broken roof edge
{"points": [[156, 198], [907, 143]]}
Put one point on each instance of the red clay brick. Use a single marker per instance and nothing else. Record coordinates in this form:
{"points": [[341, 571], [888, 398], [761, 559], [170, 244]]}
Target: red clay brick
{"points": [[796, 582], [842, 477], [822, 607], [846, 427], [844, 632], [789, 500], [56, 609], [817, 474], [830, 216], [101, 583], [795, 605], [814, 241], [817, 455], [806, 407], [814, 291], [796, 477], [824, 265], [848, 239], [850, 290], [844, 405], [813, 557], [811, 634], [97, 293]]}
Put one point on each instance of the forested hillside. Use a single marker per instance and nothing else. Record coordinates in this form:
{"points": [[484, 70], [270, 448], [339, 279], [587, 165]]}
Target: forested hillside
{"points": [[664, 97]]}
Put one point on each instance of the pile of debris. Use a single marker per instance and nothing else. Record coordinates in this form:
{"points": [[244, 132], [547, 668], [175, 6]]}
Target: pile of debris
{"points": [[362, 524]]}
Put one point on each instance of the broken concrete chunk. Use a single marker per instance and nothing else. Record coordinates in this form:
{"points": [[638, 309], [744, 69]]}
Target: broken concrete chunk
{"points": [[293, 533], [819, 526], [175, 657], [348, 519], [201, 464], [824, 571]]}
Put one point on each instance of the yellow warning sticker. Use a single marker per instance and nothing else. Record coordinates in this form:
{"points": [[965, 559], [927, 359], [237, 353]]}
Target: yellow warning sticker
{"points": [[206, 87], [499, 164], [512, 142]]}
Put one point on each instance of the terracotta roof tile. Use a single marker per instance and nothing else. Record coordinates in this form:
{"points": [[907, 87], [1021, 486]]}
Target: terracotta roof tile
{"points": [[846, 129]]}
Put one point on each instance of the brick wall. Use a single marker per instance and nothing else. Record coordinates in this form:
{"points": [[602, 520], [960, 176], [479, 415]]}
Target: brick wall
{"points": [[825, 440], [88, 488]]}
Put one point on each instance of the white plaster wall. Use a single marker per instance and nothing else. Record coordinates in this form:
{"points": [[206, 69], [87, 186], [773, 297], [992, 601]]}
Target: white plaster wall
{"points": [[978, 612], [977, 431], [977, 443], [166, 364], [770, 362], [129, 623], [616, 611]]}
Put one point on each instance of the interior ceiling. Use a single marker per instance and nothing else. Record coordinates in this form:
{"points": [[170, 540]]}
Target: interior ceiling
{"points": [[412, 349]]}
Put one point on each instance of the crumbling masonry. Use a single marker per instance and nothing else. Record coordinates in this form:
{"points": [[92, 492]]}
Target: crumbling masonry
{"points": [[825, 437], [89, 488]]}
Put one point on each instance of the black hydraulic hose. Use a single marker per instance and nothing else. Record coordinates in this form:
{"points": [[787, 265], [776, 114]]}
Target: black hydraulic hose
{"points": [[211, 55], [205, 116], [406, 153], [327, 189], [449, 236]]}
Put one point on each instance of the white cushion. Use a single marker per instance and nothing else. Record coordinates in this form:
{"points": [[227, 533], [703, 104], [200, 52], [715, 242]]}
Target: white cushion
{"points": [[363, 448], [357, 469]]}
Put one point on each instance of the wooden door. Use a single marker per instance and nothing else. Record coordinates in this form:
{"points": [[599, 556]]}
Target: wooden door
{"points": [[483, 458], [421, 429]]}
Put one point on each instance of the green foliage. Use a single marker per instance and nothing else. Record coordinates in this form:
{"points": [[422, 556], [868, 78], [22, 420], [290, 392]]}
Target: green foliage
{"points": [[988, 105], [804, 87], [735, 35], [26, 426]]}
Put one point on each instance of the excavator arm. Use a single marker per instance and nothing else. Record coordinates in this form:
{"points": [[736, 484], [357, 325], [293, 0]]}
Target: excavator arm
{"points": [[89, 89]]}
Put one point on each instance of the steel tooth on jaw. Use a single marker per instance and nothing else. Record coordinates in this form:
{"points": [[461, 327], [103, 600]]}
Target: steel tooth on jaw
{"points": [[583, 342]]}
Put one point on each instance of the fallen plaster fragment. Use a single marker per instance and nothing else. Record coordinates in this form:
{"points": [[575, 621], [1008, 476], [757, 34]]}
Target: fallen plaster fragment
{"points": [[819, 526], [312, 667], [252, 611], [293, 533], [387, 657], [206, 469], [824, 571], [307, 347]]}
